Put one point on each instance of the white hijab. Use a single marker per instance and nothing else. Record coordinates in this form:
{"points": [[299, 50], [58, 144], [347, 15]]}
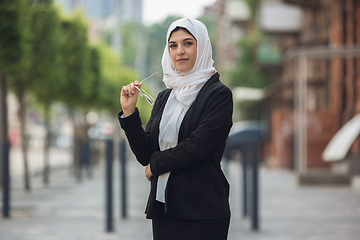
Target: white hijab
{"points": [[185, 87], [184, 84]]}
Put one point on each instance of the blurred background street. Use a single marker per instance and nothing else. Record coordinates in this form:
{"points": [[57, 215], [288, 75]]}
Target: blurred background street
{"points": [[293, 154]]}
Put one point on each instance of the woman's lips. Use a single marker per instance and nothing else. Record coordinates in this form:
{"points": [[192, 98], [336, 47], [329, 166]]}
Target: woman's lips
{"points": [[181, 60]]}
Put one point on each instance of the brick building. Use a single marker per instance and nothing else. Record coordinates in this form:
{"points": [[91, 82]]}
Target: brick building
{"points": [[331, 83]]}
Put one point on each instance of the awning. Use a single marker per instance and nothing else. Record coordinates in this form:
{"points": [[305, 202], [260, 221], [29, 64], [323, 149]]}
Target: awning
{"points": [[340, 144]]}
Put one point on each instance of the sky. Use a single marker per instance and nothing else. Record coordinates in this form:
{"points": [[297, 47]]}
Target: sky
{"points": [[157, 10]]}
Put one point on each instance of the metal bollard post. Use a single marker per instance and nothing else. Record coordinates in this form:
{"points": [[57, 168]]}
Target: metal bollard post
{"points": [[109, 186], [88, 159], [244, 181], [78, 159], [6, 179], [255, 183], [123, 190]]}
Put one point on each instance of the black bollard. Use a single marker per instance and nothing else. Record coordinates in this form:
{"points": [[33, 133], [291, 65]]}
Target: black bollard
{"points": [[88, 158], [78, 159], [255, 186], [109, 186], [123, 180], [6, 179], [244, 181]]}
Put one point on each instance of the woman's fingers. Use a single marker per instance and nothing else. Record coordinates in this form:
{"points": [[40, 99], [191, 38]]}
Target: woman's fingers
{"points": [[124, 91], [127, 92], [148, 173], [129, 89], [128, 97]]}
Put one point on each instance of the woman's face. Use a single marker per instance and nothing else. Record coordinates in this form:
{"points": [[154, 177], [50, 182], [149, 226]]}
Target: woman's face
{"points": [[183, 50]]}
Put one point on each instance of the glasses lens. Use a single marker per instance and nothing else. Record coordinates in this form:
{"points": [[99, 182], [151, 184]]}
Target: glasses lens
{"points": [[146, 96], [148, 99]]}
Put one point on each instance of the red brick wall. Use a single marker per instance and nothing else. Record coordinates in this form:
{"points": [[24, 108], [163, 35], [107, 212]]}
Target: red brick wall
{"points": [[320, 130], [336, 64], [282, 127]]}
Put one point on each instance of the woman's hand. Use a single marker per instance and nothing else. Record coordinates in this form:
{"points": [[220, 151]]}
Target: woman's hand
{"points": [[128, 98], [148, 173]]}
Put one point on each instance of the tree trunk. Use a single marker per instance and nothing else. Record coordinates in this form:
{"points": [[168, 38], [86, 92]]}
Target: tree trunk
{"points": [[46, 172], [24, 141]]}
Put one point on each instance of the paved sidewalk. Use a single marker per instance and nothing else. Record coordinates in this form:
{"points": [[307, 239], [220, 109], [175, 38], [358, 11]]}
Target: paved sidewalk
{"points": [[71, 210]]}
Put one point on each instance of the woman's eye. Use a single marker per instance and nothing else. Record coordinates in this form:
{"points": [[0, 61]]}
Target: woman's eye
{"points": [[172, 45], [188, 43]]}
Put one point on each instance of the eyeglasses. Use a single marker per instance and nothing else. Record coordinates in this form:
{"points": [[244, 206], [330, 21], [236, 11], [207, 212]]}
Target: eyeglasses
{"points": [[144, 94]]}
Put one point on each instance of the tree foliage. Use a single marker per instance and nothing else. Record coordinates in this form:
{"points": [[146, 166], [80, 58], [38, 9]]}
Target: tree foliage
{"points": [[47, 69], [130, 41], [75, 54], [19, 37], [93, 82], [14, 30], [247, 73]]}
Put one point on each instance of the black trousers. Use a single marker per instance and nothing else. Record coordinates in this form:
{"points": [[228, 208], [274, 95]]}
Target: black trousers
{"points": [[180, 229]]}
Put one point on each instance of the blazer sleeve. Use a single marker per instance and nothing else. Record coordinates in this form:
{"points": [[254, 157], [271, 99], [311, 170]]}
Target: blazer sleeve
{"points": [[213, 126], [139, 140], [143, 142]]}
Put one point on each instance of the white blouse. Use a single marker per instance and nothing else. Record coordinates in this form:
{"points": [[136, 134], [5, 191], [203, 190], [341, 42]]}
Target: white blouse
{"points": [[168, 136]]}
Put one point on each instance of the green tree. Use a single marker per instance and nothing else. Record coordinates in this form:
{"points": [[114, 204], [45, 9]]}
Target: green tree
{"points": [[14, 47], [75, 53], [15, 57], [130, 42], [247, 73], [47, 71], [91, 88]]}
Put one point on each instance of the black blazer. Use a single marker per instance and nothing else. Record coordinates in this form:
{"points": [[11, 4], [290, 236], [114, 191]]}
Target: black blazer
{"points": [[197, 187]]}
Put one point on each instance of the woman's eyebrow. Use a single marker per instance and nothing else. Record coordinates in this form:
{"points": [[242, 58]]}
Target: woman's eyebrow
{"points": [[186, 39]]}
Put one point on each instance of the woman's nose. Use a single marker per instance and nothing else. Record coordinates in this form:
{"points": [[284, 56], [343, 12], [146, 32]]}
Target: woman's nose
{"points": [[181, 50]]}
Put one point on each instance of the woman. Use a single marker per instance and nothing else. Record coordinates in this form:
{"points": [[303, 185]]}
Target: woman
{"points": [[184, 139]]}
